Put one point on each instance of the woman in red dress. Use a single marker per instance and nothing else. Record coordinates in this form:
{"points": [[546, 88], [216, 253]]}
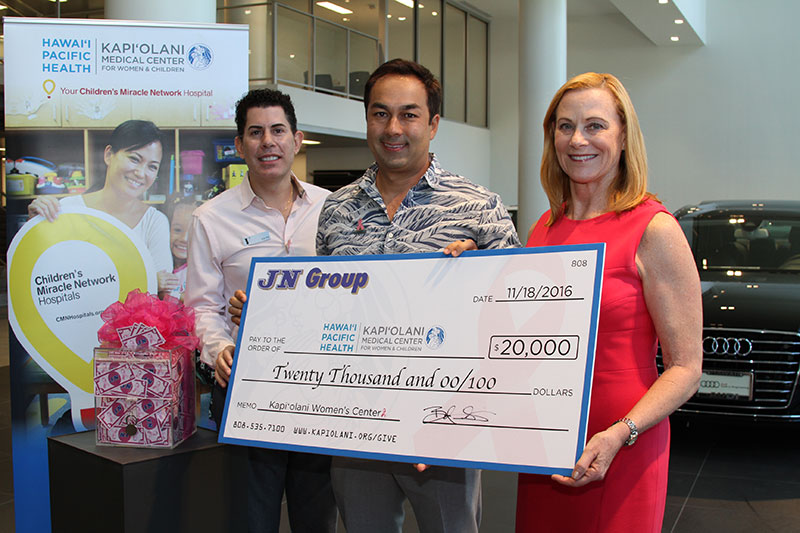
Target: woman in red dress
{"points": [[594, 171]]}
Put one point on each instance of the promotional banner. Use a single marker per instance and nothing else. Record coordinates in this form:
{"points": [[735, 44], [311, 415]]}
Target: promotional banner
{"points": [[75, 73], [74, 90], [484, 361], [59, 285]]}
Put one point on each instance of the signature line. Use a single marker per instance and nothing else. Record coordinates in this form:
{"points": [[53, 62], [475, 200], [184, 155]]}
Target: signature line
{"points": [[452, 424]]}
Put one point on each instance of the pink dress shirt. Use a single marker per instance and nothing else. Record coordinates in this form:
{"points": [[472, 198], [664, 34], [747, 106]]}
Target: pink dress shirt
{"points": [[227, 232]]}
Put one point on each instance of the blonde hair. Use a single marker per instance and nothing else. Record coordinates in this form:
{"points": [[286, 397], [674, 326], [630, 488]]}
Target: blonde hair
{"points": [[630, 186]]}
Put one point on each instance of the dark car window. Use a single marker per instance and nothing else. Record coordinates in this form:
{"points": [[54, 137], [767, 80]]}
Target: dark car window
{"points": [[745, 242]]}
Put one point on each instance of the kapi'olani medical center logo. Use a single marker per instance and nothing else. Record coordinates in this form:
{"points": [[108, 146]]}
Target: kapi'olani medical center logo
{"points": [[79, 56], [200, 56]]}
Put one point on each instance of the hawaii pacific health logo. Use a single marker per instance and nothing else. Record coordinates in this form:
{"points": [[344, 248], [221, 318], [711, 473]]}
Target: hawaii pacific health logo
{"points": [[200, 56], [434, 337]]}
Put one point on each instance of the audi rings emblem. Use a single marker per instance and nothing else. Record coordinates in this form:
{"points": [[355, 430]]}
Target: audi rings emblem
{"points": [[727, 346]]}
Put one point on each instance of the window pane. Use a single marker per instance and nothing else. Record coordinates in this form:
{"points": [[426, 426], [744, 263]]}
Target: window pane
{"points": [[331, 50], [401, 30], [235, 3], [363, 60], [300, 5], [364, 16], [454, 63], [430, 36], [260, 36], [476, 71], [294, 46]]}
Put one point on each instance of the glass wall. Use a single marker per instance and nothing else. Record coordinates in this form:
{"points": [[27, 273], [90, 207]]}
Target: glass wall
{"points": [[400, 18], [300, 5], [293, 51], [430, 35], [455, 63], [363, 16], [477, 41], [363, 60], [259, 18], [330, 69], [334, 49]]}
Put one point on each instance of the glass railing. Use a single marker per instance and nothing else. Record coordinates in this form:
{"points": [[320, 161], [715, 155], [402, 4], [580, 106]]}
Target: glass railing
{"points": [[304, 44], [291, 46]]}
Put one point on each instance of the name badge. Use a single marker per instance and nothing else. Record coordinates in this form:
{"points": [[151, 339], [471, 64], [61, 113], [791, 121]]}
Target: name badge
{"points": [[257, 238]]}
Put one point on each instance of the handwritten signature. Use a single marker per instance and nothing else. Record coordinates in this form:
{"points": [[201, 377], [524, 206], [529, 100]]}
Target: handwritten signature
{"points": [[437, 414]]}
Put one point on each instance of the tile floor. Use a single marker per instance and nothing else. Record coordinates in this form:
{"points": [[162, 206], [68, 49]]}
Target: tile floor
{"points": [[730, 478]]}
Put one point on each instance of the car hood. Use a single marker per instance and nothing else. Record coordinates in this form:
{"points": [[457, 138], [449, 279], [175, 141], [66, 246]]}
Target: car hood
{"points": [[754, 301]]}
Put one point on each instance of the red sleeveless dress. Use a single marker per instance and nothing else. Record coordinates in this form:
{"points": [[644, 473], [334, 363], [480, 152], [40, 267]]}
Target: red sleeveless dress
{"points": [[634, 491]]}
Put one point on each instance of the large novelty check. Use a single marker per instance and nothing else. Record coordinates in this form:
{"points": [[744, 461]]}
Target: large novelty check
{"points": [[483, 360]]}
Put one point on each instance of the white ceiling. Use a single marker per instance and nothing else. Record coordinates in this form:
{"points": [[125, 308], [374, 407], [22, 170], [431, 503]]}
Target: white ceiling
{"points": [[590, 8]]}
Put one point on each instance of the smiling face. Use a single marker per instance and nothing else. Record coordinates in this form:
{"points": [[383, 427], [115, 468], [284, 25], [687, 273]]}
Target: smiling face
{"points": [[399, 126], [268, 145], [132, 172], [589, 136], [179, 232]]}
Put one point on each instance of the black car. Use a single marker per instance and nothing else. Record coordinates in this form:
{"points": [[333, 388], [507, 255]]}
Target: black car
{"points": [[748, 257]]}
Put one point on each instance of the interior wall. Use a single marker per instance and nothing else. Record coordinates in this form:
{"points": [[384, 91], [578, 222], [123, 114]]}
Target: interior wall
{"points": [[503, 98], [300, 167], [464, 150], [718, 120]]}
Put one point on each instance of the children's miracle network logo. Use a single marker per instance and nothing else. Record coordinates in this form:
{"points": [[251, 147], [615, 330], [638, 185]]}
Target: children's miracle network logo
{"points": [[200, 56]]}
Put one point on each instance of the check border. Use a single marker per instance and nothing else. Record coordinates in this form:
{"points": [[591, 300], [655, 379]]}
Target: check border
{"points": [[598, 248]]}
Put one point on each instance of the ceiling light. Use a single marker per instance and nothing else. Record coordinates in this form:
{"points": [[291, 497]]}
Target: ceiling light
{"points": [[674, 38], [309, 141], [345, 19], [389, 16], [333, 7], [291, 56], [60, 1], [434, 13], [678, 21], [3, 7], [401, 18], [663, 1], [407, 3], [248, 11], [420, 6]]}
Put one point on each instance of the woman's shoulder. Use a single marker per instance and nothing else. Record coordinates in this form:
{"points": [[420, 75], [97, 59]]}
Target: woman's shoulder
{"points": [[154, 216], [637, 219], [649, 207]]}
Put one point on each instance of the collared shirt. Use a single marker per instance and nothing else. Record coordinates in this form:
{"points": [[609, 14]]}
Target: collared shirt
{"points": [[226, 233], [440, 209]]}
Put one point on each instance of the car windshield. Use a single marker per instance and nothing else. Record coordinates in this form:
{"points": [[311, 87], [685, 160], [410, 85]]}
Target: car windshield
{"points": [[721, 241]]}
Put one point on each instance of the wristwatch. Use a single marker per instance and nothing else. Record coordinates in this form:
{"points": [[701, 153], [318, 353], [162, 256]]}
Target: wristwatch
{"points": [[634, 430]]}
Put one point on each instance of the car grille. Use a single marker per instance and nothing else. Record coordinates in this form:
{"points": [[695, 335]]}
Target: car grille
{"points": [[774, 362]]}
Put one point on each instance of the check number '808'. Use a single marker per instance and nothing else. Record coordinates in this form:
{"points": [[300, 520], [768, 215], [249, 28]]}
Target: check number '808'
{"points": [[533, 347]]}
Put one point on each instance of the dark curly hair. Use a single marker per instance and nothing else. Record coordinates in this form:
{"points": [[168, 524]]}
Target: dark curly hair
{"points": [[264, 98]]}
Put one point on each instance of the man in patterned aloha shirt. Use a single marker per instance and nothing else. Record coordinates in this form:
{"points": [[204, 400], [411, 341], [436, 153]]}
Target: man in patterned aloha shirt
{"points": [[406, 203]]}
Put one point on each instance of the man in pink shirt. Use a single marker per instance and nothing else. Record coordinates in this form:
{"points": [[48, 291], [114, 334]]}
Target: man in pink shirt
{"points": [[271, 213]]}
